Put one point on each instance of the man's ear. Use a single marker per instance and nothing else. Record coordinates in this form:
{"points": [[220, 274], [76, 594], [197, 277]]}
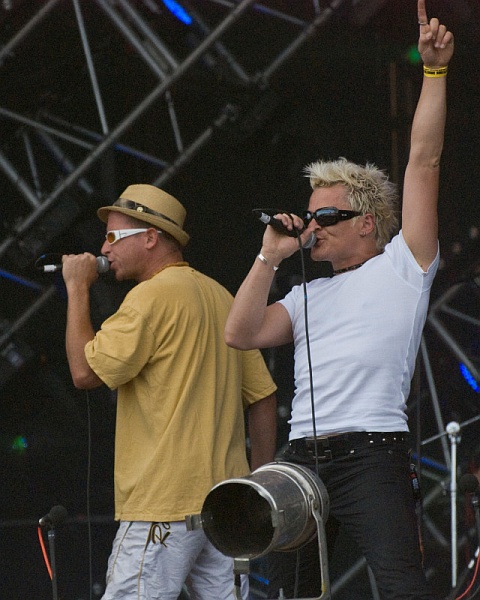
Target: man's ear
{"points": [[368, 224], [152, 236]]}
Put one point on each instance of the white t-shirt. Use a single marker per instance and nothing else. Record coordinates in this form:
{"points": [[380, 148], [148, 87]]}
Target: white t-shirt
{"points": [[364, 328]]}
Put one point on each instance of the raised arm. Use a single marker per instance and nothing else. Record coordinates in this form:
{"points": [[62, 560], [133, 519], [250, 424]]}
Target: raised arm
{"points": [[420, 194], [79, 272], [251, 323]]}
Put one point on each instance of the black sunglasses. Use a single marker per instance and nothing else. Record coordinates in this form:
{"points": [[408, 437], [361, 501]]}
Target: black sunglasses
{"points": [[329, 215]]}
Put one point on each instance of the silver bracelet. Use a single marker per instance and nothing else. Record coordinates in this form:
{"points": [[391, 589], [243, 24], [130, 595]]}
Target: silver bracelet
{"points": [[265, 261]]}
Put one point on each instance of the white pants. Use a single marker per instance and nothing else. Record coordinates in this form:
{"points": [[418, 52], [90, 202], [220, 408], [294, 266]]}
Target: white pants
{"points": [[153, 561]]}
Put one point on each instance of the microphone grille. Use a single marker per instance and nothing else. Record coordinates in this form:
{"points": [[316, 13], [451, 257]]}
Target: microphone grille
{"points": [[102, 264], [58, 514]]}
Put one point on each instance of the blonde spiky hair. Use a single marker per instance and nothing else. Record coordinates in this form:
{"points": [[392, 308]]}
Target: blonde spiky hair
{"points": [[369, 191]]}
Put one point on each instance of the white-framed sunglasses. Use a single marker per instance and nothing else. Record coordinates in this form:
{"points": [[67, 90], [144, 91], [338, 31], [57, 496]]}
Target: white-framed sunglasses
{"points": [[114, 235]]}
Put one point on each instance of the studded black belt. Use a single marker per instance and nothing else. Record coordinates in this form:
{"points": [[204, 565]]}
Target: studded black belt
{"points": [[334, 446]]}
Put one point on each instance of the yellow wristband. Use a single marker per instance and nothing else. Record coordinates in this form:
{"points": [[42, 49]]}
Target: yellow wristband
{"points": [[440, 72]]}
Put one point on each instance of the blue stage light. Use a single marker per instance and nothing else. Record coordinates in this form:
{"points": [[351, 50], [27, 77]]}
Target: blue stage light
{"points": [[469, 378], [20, 280], [178, 11]]}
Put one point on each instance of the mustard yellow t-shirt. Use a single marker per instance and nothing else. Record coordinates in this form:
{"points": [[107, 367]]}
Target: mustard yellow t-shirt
{"points": [[181, 394]]}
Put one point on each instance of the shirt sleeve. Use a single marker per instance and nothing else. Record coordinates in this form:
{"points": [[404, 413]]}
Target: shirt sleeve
{"points": [[121, 347], [257, 383], [407, 267]]}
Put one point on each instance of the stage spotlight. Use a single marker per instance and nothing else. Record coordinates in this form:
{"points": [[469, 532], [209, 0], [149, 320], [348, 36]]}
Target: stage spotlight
{"points": [[271, 509], [280, 506]]}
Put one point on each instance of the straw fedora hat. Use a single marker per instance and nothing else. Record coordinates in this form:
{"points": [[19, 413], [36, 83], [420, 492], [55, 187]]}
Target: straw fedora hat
{"points": [[152, 205]]}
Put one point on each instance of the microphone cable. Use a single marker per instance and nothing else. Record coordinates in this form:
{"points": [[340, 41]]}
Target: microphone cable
{"points": [[309, 354], [43, 258], [87, 501], [312, 393], [309, 361], [296, 233]]}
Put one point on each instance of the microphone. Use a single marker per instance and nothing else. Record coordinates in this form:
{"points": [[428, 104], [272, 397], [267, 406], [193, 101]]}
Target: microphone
{"points": [[102, 266], [266, 216], [57, 515], [452, 428]]}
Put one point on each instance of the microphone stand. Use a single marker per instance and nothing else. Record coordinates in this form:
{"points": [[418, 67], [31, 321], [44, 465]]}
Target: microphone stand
{"points": [[51, 545], [56, 516], [453, 430]]}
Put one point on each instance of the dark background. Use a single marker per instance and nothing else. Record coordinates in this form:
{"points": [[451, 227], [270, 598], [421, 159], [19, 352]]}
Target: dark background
{"points": [[349, 90]]}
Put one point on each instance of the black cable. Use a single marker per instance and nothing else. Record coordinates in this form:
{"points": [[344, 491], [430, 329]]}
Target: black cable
{"points": [[309, 356], [47, 258], [297, 574], [312, 394], [89, 521]]}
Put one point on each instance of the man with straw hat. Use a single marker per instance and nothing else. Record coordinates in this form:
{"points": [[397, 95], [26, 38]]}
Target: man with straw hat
{"points": [[180, 397]]}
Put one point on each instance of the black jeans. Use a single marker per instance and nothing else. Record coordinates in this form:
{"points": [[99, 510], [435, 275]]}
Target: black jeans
{"points": [[370, 490]]}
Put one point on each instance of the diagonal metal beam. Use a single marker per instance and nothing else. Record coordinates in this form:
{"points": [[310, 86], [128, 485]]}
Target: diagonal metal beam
{"points": [[8, 48], [115, 134]]}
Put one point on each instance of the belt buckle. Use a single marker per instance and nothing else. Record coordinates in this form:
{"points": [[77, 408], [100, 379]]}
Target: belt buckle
{"points": [[327, 454], [323, 453]]}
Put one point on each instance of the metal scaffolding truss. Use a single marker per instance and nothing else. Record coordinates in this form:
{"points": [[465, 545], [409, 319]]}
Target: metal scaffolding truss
{"points": [[131, 83], [453, 317], [461, 305], [190, 78], [126, 82]]}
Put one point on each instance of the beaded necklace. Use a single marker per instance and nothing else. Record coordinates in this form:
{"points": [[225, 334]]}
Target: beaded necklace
{"points": [[352, 268]]}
